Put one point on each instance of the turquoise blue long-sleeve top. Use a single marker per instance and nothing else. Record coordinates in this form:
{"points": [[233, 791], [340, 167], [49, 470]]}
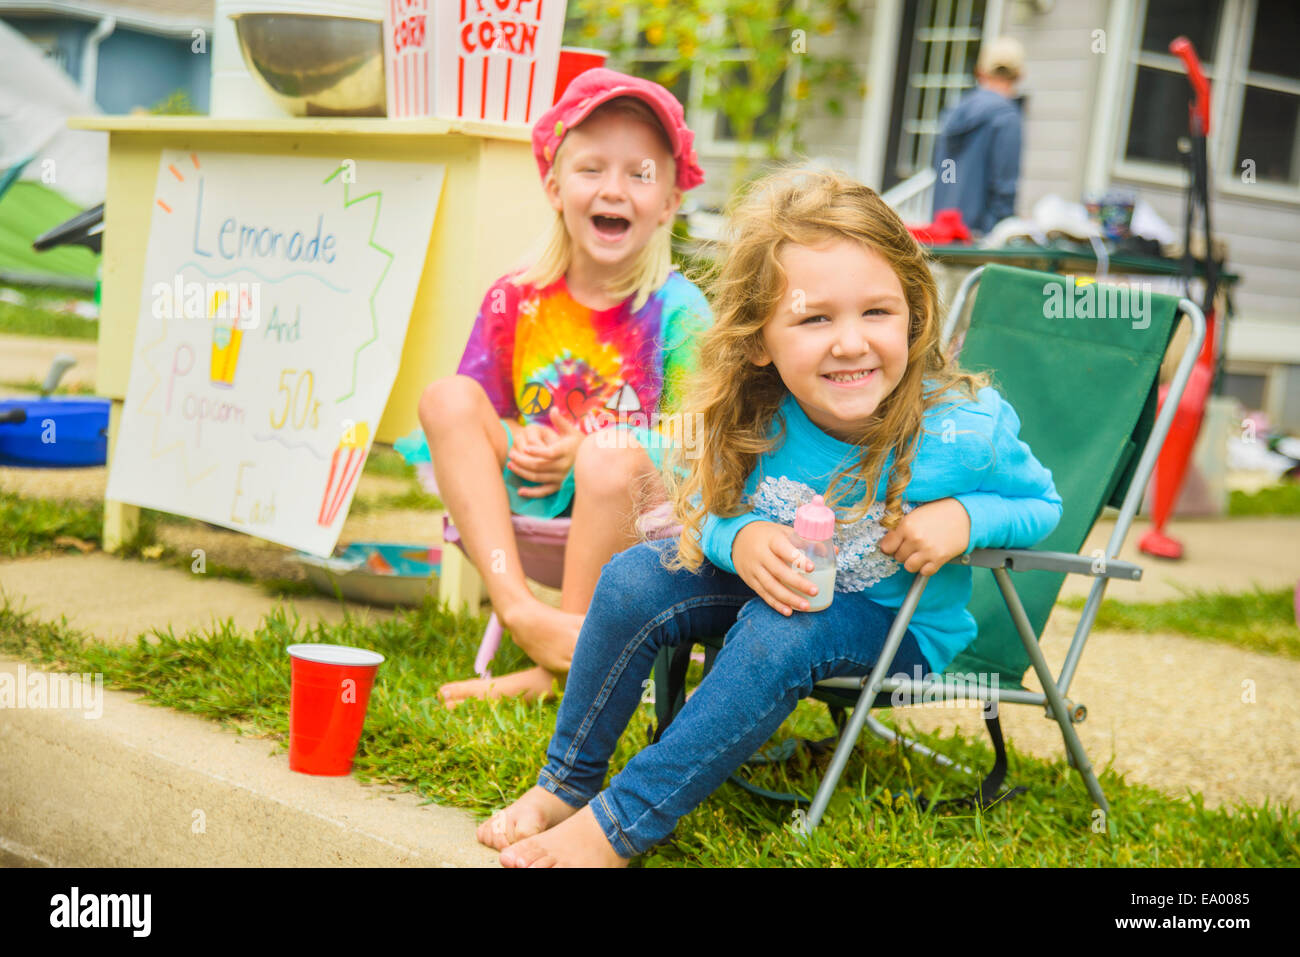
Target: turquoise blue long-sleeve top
{"points": [[969, 451]]}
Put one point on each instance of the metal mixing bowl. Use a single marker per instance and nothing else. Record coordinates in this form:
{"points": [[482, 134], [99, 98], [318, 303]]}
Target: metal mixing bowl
{"points": [[316, 65]]}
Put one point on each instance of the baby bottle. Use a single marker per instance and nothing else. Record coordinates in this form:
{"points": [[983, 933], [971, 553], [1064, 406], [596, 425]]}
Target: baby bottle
{"points": [[814, 529]]}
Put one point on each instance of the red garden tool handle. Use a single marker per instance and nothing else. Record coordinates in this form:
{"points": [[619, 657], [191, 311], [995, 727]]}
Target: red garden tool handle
{"points": [[1182, 48]]}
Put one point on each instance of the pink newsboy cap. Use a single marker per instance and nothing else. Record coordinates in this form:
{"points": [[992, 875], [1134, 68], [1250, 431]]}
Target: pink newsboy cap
{"points": [[592, 88]]}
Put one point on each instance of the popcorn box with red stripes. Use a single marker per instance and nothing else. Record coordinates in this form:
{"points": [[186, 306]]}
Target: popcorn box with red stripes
{"points": [[475, 59], [408, 57]]}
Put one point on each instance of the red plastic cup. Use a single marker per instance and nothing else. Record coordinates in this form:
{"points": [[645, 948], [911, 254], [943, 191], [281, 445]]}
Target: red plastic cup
{"points": [[575, 60], [328, 693]]}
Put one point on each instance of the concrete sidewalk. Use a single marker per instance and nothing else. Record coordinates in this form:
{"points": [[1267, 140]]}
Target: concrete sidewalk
{"points": [[1174, 713], [122, 789], [142, 786], [1219, 554], [28, 358], [115, 599], [1170, 712]]}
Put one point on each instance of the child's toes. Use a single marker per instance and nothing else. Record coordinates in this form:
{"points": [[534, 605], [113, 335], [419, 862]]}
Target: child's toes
{"points": [[528, 853], [524, 823], [489, 831]]}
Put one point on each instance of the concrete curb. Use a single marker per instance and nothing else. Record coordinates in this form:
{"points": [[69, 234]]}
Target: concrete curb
{"points": [[143, 786]]}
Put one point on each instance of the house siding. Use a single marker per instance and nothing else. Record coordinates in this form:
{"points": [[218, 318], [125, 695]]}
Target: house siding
{"points": [[135, 69], [1063, 114], [1062, 76], [140, 69]]}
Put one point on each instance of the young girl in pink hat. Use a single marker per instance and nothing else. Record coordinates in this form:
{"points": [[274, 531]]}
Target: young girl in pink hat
{"points": [[571, 364]]}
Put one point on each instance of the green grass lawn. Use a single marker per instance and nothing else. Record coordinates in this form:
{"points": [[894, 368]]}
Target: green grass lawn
{"points": [[387, 463], [1280, 499], [384, 460], [484, 754], [33, 388], [34, 319], [30, 525], [1259, 620]]}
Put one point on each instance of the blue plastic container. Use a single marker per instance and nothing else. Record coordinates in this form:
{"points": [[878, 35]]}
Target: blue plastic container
{"points": [[56, 433]]}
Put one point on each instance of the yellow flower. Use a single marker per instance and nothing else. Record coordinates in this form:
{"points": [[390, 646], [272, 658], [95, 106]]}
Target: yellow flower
{"points": [[687, 48], [801, 90], [655, 34]]}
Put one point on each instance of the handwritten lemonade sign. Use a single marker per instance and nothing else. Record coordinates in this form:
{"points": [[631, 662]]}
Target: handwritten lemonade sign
{"points": [[275, 302]]}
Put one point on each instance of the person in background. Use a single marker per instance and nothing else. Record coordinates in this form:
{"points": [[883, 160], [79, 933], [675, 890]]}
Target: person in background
{"points": [[977, 154]]}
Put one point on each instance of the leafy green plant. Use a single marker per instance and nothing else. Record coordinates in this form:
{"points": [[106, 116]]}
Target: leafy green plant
{"points": [[780, 39], [176, 103]]}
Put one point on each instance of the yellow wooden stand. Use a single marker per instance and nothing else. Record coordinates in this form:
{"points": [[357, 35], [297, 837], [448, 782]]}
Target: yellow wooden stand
{"points": [[490, 211]]}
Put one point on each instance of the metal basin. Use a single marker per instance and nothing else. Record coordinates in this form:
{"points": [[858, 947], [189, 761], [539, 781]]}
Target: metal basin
{"points": [[316, 65]]}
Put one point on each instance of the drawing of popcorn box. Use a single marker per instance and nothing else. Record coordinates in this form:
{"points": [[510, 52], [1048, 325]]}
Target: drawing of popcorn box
{"points": [[345, 466]]}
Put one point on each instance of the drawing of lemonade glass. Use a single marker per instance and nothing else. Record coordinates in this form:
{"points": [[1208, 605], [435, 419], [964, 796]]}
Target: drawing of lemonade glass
{"points": [[351, 451], [226, 338]]}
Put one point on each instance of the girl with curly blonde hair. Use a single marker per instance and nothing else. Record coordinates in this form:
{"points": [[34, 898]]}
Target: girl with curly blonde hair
{"points": [[823, 374]]}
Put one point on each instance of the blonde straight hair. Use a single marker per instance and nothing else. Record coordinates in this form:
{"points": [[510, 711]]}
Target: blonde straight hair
{"points": [[737, 400], [649, 270]]}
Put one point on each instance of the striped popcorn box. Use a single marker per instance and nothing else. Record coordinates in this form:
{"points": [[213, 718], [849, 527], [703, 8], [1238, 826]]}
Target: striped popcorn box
{"points": [[496, 59], [408, 55]]}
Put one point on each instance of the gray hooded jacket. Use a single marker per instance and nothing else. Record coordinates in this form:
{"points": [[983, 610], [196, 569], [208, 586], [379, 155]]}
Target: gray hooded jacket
{"points": [[981, 134]]}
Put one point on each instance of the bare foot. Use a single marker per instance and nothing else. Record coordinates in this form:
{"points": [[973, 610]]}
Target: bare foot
{"points": [[546, 634], [530, 684], [577, 841], [533, 813]]}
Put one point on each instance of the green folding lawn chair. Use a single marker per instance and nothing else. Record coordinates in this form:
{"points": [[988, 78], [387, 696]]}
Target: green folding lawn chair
{"points": [[1085, 390]]}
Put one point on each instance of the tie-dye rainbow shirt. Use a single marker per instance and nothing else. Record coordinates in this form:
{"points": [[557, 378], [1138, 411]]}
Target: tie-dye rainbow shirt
{"points": [[532, 349]]}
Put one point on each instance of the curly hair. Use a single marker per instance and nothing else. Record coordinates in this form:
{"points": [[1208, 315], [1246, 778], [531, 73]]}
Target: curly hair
{"points": [[737, 400]]}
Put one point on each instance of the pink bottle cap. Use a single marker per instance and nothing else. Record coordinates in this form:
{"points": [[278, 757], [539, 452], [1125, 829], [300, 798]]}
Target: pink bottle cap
{"points": [[814, 521]]}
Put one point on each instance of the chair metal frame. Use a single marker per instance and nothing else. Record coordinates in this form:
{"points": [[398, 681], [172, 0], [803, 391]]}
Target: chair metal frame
{"points": [[1054, 698]]}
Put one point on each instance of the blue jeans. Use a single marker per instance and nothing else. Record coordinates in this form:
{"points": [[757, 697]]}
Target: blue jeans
{"points": [[767, 663]]}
